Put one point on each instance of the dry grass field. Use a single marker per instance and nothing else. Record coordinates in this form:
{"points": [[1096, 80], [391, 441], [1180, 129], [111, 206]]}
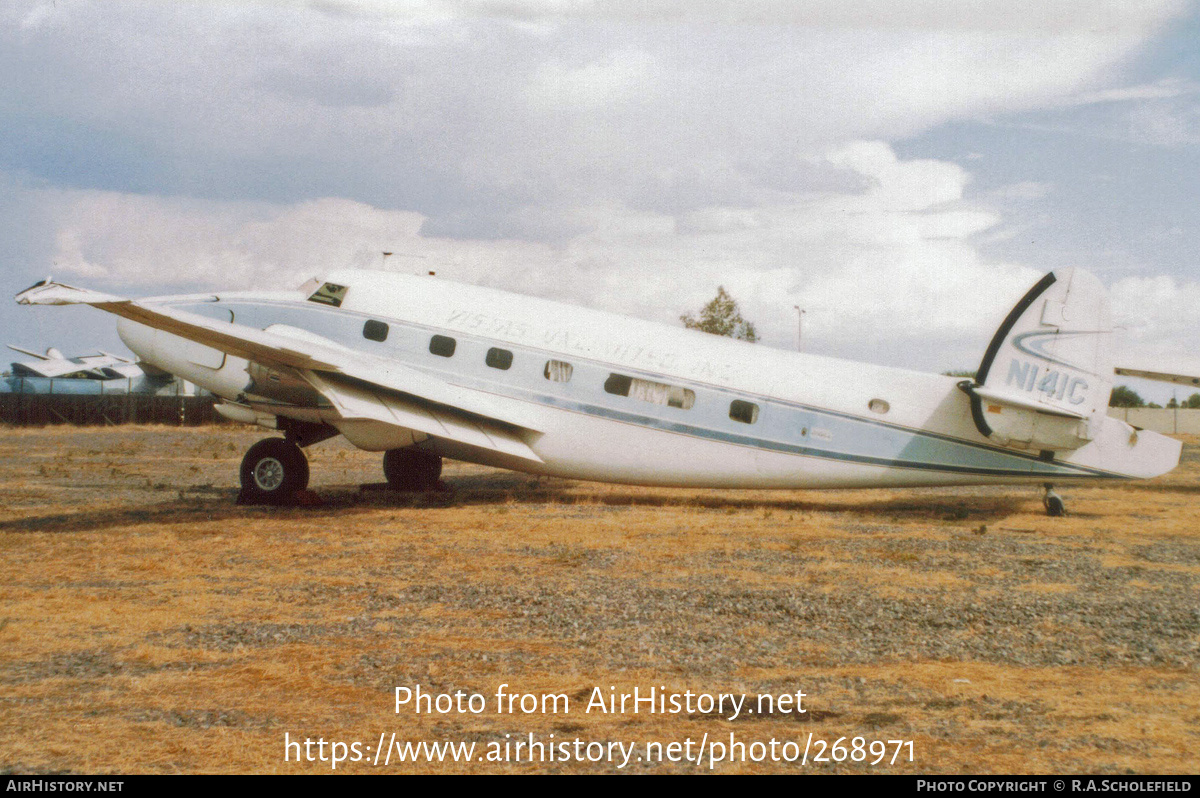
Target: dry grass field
{"points": [[149, 624]]}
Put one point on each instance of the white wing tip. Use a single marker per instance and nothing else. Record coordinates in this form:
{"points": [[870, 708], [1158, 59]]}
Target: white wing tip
{"points": [[48, 292]]}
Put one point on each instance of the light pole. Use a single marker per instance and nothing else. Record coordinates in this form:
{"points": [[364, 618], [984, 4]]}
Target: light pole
{"points": [[799, 327]]}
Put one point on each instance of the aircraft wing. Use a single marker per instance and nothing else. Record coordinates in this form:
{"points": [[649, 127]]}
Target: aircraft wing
{"points": [[53, 364], [358, 385], [49, 368]]}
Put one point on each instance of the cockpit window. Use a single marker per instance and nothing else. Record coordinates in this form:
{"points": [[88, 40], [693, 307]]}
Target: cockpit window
{"points": [[329, 294]]}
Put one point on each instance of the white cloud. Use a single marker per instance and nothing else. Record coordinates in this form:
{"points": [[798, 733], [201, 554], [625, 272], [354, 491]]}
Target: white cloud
{"points": [[449, 109], [908, 186], [1160, 312], [1162, 124], [883, 277], [155, 243], [869, 266], [617, 79], [925, 14], [1158, 90], [629, 155], [40, 14]]}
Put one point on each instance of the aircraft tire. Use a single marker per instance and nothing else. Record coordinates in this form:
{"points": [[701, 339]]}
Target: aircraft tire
{"points": [[411, 469], [273, 470]]}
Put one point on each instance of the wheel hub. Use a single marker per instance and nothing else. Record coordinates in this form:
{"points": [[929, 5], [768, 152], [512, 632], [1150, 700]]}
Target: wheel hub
{"points": [[268, 474]]}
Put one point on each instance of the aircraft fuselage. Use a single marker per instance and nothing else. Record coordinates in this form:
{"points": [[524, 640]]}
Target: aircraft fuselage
{"points": [[618, 399]]}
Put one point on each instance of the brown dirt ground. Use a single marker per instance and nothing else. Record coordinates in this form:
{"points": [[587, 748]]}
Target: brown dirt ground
{"points": [[149, 624]]}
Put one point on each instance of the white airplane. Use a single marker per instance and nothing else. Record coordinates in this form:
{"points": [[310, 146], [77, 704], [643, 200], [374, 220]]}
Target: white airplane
{"points": [[421, 368], [53, 363]]}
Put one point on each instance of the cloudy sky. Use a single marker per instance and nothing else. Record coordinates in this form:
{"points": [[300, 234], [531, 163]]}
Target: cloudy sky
{"points": [[903, 171]]}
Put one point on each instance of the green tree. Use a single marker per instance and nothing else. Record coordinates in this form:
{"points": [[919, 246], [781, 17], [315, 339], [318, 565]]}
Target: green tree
{"points": [[721, 316], [1124, 396], [1193, 401]]}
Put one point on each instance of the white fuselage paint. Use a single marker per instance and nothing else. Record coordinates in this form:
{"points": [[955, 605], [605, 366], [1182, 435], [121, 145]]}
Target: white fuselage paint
{"points": [[815, 426]]}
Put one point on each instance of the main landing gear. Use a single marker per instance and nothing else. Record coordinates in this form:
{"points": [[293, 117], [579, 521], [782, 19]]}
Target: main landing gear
{"points": [[1053, 502], [412, 469], [273, 472]]}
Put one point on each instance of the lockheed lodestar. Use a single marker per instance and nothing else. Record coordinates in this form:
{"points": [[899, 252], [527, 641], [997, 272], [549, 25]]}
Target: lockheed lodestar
{"points": [[422, 368]]}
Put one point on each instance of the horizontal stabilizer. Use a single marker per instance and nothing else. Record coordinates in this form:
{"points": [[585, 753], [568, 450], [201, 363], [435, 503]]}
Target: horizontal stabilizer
{"points": [[1021, 402], [1161, 368]]}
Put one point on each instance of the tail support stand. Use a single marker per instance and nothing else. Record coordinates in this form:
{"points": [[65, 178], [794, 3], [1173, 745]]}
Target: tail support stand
{"points": [[1053, 502]]}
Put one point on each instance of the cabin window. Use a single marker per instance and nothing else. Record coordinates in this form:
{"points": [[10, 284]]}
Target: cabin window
{"points": [[499, 359], [558, 371], [745, 412], [442, 346], [657, 393], [879, 406], [375, 330], [618, 384]]}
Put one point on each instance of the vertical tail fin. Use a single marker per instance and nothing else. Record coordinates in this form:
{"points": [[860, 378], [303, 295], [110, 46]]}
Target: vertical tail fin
{"points": [[1046, 377]]}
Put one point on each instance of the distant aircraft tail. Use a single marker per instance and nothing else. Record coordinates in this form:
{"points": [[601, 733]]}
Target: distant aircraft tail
{"points": [[1045, 380]]}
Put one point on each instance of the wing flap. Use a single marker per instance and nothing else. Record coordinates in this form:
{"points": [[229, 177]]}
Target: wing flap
{"points": [[361, 402]]}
